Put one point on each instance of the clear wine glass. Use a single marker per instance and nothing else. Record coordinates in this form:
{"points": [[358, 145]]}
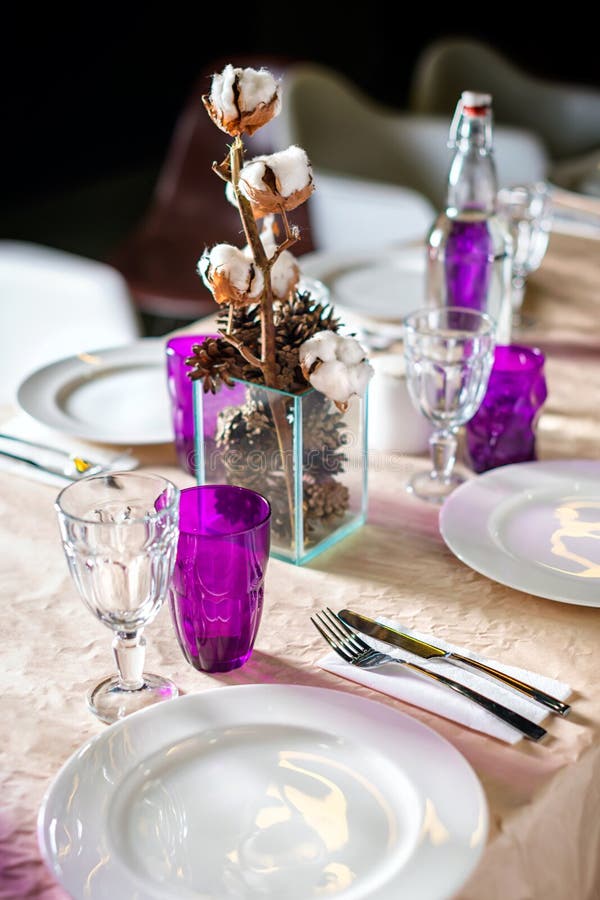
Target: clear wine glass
{"points": [[526, 210], [119, 534], [449, 355]]}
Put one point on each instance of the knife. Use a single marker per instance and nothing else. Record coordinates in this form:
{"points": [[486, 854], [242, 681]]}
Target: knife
{"points": [[429, 651]]}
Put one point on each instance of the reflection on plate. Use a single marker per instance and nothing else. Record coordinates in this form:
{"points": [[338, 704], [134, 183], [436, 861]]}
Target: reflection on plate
{"points": [[380, 288], [532, 526], [115, 396], [263, 791]]}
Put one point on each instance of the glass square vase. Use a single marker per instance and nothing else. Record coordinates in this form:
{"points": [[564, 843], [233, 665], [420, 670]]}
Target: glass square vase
{"points": [[298, 450]]}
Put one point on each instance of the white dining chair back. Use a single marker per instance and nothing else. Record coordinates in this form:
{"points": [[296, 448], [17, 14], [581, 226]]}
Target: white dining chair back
{"points": [[356, 214], [565, 117], [53, 305], [369, 147]]}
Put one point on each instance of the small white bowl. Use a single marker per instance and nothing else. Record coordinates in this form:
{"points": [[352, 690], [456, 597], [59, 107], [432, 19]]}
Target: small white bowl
{"points": [[394, 423]]}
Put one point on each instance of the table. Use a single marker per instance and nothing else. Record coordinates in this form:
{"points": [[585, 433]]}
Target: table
{"points": [[544, 800]]}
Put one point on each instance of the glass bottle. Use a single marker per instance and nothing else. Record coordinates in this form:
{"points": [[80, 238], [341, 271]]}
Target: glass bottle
{"points": [[469, 249]]}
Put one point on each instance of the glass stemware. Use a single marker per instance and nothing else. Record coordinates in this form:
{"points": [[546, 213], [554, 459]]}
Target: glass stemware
{"points": [[119, 534], [527, 212], [449, 355]]}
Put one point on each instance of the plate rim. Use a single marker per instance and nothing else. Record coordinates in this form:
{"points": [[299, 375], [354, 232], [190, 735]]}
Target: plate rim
{"points": [[470, 485], [148, 344], [326, 262], [350, 697]]}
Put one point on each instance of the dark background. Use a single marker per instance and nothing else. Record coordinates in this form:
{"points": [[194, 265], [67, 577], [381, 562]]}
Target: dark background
{"points": [[91, 96]]}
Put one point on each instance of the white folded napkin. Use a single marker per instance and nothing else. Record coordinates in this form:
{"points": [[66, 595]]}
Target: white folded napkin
{"points": [[405, 684], [22, 426]]}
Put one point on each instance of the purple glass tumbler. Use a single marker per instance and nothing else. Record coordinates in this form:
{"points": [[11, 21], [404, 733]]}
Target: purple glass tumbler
{"points": [[218, 581], [180, 392], [502, 431]]}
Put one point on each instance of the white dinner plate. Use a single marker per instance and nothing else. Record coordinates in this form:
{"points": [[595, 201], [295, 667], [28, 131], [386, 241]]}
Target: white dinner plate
{"points": [[532, 526], [277, 792], [379, 289], [115, 396]]}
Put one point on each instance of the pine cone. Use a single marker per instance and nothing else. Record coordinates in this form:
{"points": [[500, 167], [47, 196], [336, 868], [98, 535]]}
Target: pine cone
{"points": [[245, 325], [296, 320], [325, 503], [246, 428], [324, 436], [213, 360]]}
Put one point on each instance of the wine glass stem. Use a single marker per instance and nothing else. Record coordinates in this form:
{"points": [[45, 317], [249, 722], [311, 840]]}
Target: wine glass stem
{"points": [[130, 652], [518, 293], [442, 445]]}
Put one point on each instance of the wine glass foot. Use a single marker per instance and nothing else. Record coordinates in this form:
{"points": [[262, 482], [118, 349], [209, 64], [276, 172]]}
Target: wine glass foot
{"points": [[110, 701], [426, 486]]}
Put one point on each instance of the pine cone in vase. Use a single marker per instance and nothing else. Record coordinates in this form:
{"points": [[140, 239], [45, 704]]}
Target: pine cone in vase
{"points": [[325, 503], [323, 437]]}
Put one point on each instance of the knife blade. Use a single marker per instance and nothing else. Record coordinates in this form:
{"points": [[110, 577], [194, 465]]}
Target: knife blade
{"points": [[425, 650]]}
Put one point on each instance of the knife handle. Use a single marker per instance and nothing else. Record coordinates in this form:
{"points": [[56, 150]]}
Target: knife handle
{"points": [[50, 470], [553, 703], [528, 728]]}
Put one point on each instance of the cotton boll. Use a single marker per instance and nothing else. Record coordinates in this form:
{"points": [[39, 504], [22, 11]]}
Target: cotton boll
{"points": [[267, 236], [233, 262], [252, 175], [359, 376], [230, 275], [321, 346], [221, 92], [336, 366], [256, 87], [242, 100], [292, 169], [350, 351], [332, 379], [277, 181], [284, 275], [285, 272]]}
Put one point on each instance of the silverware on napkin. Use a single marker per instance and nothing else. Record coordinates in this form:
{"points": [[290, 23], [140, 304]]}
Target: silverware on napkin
{"points": [[352, 649], [76, 466], [429, 651]]}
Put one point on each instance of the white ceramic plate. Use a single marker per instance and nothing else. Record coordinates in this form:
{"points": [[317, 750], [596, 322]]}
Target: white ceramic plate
{"points": [[532, 526], [378, 289], [115, 396], [263, 791]]}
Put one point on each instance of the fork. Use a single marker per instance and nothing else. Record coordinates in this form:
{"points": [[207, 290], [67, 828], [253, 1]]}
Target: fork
{"points": [[357, 652]]}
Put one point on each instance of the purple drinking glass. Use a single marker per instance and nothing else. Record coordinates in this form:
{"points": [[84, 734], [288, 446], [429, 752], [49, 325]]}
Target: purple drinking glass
{"points": [[502, 431], [180, 392], [218, 580]]}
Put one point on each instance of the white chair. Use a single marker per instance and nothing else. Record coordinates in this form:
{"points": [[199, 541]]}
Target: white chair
{"points": [[54, 304], [370, 147], [355, 214], [566, 117]]}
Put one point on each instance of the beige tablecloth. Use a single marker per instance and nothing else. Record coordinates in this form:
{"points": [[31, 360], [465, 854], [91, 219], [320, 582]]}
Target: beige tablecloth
{"points": [[544, 839]]}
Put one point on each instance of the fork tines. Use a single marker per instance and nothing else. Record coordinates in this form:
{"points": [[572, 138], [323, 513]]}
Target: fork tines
{"points": [[338, 635]]}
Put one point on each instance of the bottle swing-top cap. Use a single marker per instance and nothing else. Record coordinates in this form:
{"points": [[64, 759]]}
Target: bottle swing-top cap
{"points": [[471, 103]]}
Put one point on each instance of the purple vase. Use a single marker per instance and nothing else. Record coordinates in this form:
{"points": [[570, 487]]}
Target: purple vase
{"points": [[468, 264], [181, 395], [218, 581], [502, 431]]}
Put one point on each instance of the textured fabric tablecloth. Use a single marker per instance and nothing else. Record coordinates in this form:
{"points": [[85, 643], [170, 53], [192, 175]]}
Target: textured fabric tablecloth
{"points": [[544, 801]]}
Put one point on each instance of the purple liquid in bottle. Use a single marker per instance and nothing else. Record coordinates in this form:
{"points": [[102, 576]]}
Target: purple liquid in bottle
{"points": [[468, 263]]}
